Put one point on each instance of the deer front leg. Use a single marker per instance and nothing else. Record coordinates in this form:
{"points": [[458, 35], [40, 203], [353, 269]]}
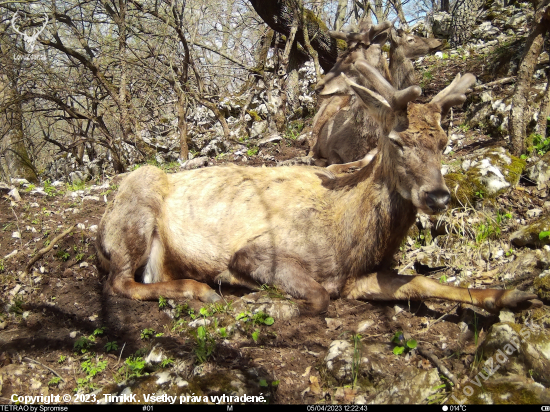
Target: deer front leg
{"points": [[253, 266], [388, 285]]}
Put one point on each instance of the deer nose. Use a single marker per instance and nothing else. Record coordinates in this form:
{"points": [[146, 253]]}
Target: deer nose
{"points": [[437, 200]]}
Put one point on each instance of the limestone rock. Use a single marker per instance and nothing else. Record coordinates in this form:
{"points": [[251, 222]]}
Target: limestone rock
{"points": [[486, 173], [518, 349], [413, 386], [539, 173], [530, 235]]}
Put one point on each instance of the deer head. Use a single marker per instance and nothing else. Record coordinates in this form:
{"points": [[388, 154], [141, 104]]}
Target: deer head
{"points": [[29, 40], [413, 46], [362, 44], [414, 143]]}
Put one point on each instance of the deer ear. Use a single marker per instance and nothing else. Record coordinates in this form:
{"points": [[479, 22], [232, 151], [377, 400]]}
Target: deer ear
{"points": [[335, 85], [376, 105], [381, 38]]}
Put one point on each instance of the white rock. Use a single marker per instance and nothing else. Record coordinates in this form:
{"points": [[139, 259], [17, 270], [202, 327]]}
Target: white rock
{"points": [[91, 198], [73, 334], [93, 228], [14, 194], [16, 235], [199, 322]]}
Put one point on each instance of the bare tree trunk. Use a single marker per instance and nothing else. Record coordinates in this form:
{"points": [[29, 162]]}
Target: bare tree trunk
{"points": [[445, 5], [341, 10], [279, 15], [182, 126], [398, 7], [533, 48], [544, 110], [463, 19]]}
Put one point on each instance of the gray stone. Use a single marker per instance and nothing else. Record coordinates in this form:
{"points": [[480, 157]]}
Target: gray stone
{"points": [[258, 128], [519, 349], [441, 24], [539, 173], [274, 138], [530, 235], [413, 386], [195, 163]]}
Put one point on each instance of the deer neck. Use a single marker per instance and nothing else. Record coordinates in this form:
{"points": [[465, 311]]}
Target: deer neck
{"points": [[373, 217], [401, 68]]}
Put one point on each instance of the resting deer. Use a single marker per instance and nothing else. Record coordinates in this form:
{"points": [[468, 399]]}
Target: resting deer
{"points": [[313, 234], [343, 131]]}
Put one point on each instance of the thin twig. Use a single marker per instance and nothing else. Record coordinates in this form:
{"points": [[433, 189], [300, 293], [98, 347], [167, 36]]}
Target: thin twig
{"points": [[119, 356], [45, 250], [429, 354], [45, 367], [18, 229], [441, 317]]}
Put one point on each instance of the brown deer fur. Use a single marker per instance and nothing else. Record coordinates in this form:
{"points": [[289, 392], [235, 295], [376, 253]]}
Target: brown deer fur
{"points": [[300, 228]]}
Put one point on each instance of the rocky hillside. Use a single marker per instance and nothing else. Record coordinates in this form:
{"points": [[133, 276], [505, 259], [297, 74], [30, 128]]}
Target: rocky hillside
{"points": [[59, 335]]}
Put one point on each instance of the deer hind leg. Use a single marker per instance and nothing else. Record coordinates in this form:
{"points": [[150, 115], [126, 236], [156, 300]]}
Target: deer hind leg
{"points": [[158, 282], [251, 268], [388, 285]]}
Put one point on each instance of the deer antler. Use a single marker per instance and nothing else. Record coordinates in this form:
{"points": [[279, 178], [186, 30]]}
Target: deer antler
{"points": [[453, 94], [13, 20], [397, 99]]}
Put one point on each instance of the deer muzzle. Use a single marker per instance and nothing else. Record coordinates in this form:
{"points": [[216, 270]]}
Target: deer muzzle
{"points": [[437, 200]]}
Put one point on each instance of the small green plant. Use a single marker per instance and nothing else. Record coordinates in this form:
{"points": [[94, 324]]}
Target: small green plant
{"points": [[61, 359], [223, 332], [30, 188], [133, 367], [401, 345], [76, 185], [253, 151], [294, 129], [464, 127], [79, 257], [544, 235], [99, 331], [443, 279], [2, 268], [62, 254], [480, 193], [111, 346], [256, 335], [54, 381], [541, 145], [205, 345], [147, 333], [162, 302], [49, 189], [17, 307], [166, 362], [83, 344]]}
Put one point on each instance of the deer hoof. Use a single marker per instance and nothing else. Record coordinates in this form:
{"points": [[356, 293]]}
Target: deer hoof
{"points": [[210, 297], [518, 300]]}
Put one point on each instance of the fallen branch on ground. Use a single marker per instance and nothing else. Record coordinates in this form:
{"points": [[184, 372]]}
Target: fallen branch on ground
{"points": [[44, 366], [429, 354], [45, 250]]}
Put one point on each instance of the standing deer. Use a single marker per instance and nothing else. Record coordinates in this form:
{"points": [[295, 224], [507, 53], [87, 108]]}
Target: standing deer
{"points": [[343, 131], [313, 234]]}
